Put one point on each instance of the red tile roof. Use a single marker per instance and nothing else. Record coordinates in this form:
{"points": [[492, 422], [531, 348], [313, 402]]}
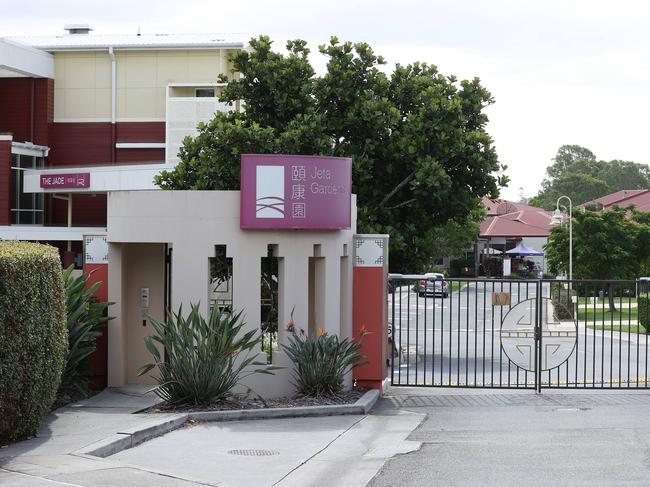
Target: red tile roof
{"points": [[510, 219], [626, 197]]}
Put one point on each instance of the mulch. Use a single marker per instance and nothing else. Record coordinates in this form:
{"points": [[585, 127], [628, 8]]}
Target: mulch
{"points": [[241, 402]]}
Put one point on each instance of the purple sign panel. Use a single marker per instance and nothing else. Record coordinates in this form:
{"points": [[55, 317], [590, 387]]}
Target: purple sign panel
{"points": [[295, 192], [67, 181]]}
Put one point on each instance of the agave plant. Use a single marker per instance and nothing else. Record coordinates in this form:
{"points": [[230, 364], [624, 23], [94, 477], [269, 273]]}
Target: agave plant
{"points": [[203, 360], [321, 363], [86, 316]]}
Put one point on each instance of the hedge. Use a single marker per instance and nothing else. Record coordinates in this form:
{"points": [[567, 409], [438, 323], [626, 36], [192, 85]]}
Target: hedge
{"points": [[33, 336]]}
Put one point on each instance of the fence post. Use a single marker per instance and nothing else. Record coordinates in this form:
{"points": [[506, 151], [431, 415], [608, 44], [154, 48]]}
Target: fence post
{"points": [[370, 307]]}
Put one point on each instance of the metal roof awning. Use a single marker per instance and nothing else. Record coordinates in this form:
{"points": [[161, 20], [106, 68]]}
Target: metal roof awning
{"points": [[19, 60]]}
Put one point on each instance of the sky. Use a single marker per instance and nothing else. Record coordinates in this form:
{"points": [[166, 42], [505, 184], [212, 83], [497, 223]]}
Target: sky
{"points": [[561, 72]]}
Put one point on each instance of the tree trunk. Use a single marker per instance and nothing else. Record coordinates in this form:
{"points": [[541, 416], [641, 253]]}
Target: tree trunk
{"points": [[610, 297]]}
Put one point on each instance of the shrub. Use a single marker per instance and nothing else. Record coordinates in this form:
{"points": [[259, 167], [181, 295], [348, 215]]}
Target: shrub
{"points": [[320, 363], [204, 360], [562, 301], [33, 336], [85, 318], [643, 303]]}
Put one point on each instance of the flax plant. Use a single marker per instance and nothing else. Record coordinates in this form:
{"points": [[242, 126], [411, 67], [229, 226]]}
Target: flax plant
{"points": [[203, 360]]}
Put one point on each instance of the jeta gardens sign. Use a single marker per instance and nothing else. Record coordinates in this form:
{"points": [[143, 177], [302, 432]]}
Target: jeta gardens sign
{"points": [[295, 192]]}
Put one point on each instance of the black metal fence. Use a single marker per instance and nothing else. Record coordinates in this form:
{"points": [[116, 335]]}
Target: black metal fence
{"points": [[513, 333]]}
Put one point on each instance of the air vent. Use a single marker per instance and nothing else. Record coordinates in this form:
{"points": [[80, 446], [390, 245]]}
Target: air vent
{"points": [[78, 28]]}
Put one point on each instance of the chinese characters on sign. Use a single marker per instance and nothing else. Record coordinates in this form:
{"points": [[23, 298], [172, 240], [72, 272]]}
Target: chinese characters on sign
{"points": [[65, 181], [295, 192]]}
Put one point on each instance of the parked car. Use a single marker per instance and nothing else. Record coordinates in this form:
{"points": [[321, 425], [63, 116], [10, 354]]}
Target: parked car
{"points": [[433, 285]]}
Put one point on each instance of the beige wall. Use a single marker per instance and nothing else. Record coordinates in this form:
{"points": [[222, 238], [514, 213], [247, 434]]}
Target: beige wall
{"points": [[193, 222], [83, 81], [145, 268]]}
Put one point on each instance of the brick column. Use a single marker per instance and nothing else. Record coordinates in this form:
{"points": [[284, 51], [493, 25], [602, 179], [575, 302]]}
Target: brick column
{"points": [[5, 179]]}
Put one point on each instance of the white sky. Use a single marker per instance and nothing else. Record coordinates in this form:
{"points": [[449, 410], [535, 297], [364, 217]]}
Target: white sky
{"points": [[562, 72]]}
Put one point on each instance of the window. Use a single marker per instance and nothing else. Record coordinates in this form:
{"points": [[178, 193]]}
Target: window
{"points": [[204, 92], [26, 208]]}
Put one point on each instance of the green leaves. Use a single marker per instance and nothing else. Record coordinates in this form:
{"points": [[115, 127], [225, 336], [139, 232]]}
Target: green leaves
{"points": [[421, 154], [320, 363], [577, 173], [606, 245], [204, 360]]}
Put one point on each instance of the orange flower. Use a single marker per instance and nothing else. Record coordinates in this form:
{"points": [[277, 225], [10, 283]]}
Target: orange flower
{"points": [[291, 326], [363, 330], [322, 331]]}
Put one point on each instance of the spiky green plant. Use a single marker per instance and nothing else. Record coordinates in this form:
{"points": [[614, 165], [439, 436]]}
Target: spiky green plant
{"points": [[204, 360], [321, 363], [85, 318]]}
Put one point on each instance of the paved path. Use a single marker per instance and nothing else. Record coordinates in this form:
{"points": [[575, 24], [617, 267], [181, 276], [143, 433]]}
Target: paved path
{"points": [[505, 438], [344, 451]]}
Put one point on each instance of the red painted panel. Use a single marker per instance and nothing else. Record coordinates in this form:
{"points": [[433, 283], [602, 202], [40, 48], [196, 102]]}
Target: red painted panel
{"points": [[87, 211], [80, 144], [99, 359], [5, 177], [16, 107], [140, 156], [140, 132], [367, 313], [43, 109]]}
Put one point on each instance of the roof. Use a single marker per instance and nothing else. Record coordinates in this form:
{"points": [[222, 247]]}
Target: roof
{"points": [[509, 219], [71, 42], [626, 197]]}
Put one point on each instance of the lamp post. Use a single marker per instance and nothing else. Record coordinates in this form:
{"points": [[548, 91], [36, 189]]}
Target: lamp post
{"points": [[556, 220]]}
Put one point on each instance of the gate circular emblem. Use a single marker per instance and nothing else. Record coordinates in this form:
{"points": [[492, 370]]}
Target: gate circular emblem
{"points": [[518, 335]]}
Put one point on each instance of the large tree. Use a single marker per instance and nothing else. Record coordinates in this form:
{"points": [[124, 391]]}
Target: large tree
{"points": [[577, 173], [421, 154], [611, 244]]}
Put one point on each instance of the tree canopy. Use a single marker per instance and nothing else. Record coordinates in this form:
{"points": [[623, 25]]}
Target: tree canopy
{"points": [[577, 173], [611, 244], [421, 154]]}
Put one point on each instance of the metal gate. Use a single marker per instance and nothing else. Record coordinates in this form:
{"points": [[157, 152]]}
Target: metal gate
{"points": [[518, 333]]}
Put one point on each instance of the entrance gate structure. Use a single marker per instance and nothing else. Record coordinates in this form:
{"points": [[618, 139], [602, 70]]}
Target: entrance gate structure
{"points": [[516, 333]]}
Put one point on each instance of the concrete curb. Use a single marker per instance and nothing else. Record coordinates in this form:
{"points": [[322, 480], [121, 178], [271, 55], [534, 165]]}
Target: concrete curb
{"points": [[129, 438]]}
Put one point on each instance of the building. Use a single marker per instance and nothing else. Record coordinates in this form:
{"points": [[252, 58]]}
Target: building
{"points": [[640, 198], [84, 114], [507, 224]]}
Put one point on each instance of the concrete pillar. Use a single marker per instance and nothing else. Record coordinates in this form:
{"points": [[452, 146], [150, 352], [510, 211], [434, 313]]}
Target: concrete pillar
{"points": [[117, 326]]}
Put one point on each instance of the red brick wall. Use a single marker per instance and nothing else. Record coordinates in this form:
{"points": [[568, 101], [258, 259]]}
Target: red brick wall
{"points": [[5, 175]]}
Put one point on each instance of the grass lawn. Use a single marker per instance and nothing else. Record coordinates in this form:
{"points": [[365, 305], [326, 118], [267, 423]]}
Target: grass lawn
{"points": [[617, 300], [602, 313], [455, 285], [618, 328]]}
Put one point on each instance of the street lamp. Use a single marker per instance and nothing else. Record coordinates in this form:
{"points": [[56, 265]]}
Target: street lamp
{"points": [[556, 220]]}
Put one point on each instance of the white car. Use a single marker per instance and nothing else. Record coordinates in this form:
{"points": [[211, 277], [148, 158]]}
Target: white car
{"points": [[433, 285]]}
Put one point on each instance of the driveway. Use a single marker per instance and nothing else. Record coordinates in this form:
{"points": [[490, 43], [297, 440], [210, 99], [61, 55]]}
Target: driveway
{"points": [[515, 438]]}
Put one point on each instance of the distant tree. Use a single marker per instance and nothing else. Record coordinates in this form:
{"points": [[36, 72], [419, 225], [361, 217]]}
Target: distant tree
{"points": [[421, 153], [611, 244], [455, 237], [577, 173]]}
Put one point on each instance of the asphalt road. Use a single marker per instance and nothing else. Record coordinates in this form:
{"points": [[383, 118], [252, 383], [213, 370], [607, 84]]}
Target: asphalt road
{"points": [[515, 438], [456, 341]]}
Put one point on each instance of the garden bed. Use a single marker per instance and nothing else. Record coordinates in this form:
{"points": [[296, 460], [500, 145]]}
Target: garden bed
{"points": [[242, 403]]}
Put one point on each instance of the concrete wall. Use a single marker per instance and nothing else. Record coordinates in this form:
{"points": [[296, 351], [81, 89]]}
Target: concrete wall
{"points": [[193, 222]]}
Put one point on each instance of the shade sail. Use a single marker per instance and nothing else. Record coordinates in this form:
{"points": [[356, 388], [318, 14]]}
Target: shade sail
{"points": [[521, 249]]}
